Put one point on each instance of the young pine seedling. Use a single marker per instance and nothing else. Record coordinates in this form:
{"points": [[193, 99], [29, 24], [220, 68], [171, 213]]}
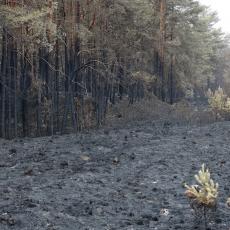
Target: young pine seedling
{"points": [[203, 196]]}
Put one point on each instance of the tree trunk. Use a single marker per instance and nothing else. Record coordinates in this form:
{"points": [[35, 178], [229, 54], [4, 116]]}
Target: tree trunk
{"points": [[3, 81], [162, 46]]}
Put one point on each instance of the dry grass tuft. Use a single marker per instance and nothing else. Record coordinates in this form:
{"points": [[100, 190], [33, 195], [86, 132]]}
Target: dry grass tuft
{"points": [[153, 109]]}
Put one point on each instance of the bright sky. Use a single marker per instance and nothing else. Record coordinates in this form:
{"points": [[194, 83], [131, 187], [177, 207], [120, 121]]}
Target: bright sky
{"points": [[223, 9]]}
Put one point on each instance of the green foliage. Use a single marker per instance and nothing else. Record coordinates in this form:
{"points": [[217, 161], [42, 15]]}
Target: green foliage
{"points": [[18, 16], [203, 197], [206, 192], [34, 21], [219, 102], [190, 35]]}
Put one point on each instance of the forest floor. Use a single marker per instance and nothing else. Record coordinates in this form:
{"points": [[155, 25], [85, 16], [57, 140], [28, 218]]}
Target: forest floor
{"points": [[113, 178]]}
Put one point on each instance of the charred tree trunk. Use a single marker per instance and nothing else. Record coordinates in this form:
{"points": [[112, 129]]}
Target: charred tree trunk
{"points": [[162, 47], [3, 81]]}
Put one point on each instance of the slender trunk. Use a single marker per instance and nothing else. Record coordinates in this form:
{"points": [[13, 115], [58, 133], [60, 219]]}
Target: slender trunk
{"points": [[3, 82], [162, 46], [9, 85], [172, 63], [15, 64], [57, 94]]}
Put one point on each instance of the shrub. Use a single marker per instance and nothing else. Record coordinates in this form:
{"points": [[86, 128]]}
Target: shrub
{"points": [[203, 197], [219, 103]]}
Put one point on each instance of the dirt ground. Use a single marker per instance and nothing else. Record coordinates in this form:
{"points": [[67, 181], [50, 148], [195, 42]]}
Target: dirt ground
{"points": [[116, 178]]}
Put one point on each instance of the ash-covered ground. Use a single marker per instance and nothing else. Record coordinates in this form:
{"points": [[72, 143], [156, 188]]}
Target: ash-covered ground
{"points": [[116, 178]]}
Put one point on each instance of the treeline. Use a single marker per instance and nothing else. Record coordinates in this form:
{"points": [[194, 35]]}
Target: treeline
{"points": [[64, 62]]}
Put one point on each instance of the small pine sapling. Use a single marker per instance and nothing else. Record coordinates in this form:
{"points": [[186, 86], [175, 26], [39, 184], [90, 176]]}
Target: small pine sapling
{"points": [[203, 197]]}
